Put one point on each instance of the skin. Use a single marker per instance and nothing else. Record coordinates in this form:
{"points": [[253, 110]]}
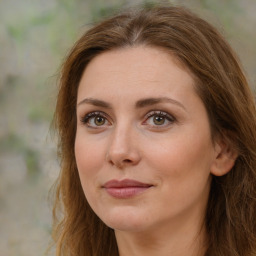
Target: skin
{"points": [[176, 156]]}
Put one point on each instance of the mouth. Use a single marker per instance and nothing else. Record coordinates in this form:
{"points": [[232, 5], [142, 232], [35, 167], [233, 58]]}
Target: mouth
{"points": [[125, 188]]}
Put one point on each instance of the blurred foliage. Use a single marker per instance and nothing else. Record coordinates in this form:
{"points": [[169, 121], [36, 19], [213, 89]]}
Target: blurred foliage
{"points": [[228, 16], [11, 142], [15, 144], [32, 162]]}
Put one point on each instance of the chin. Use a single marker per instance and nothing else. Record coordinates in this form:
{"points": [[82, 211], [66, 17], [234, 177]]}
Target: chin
{"points": [[127, 219]]}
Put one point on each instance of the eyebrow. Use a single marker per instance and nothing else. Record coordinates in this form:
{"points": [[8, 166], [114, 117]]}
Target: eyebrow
{"points": [[95, 102], [139, 104], [152, 101]]}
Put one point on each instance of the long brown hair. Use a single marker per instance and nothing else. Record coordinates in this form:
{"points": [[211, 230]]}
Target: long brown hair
{"points": [[231, 211]]}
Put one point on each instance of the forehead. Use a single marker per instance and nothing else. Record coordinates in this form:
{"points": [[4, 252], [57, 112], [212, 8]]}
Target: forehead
{"points": [[140, 69]]}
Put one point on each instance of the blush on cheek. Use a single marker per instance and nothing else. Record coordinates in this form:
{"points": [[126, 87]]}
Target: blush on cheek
{"points": [[181, 159], [88, 158]]}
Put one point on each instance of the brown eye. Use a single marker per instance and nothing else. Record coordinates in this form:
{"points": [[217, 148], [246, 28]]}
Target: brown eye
{"points": [[159, 120], [99, 120], [96, 120]]}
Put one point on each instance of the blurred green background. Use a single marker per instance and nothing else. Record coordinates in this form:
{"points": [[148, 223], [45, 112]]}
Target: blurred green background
{"points": [[35, 36]]}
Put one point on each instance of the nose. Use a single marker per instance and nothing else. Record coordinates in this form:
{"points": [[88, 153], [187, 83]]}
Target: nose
{"points": [[123, 149]]}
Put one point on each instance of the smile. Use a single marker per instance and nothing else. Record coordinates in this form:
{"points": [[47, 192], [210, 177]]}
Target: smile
{"points": [[125, 188]]}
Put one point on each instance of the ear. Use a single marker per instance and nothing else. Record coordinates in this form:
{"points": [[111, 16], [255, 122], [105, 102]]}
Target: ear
{"points": [[225, 157]]}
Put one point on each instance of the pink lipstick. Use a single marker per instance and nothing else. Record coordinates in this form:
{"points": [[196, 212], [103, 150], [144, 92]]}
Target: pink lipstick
{"points": [[125, 188]]}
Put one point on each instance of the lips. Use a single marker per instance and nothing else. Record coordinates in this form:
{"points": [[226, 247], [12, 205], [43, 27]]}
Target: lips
{"points": [[125, 188]]}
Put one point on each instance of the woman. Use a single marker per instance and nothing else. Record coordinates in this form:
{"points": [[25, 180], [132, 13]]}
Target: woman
{"points": [[157, 132]]}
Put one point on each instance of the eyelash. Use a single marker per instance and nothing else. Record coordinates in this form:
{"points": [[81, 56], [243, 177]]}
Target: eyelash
{"points": [[159, 113], [85, 120], [155, 113]]}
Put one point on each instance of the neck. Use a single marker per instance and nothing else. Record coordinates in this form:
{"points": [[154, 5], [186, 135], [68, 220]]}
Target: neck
{"points": [[176, 240]]}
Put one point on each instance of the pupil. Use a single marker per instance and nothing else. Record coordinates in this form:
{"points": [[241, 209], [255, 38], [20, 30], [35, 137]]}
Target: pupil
{"points": [[99, 120], [158, 120]]}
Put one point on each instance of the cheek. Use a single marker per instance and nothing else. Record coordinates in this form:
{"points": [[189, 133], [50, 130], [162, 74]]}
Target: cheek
{"points": [[89, 158], [184, 170], [183, 158]]}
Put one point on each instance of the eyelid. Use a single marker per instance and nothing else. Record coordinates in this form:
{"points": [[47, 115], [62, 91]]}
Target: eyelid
{"points": [[164, 114], [160, 113], [85, 118]]}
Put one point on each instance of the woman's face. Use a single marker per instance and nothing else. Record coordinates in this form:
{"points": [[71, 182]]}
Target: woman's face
{"points": [[143, 145]]}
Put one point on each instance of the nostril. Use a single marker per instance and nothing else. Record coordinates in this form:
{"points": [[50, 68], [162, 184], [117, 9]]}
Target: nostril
{"points": [[121, 159], [127, 161]]}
